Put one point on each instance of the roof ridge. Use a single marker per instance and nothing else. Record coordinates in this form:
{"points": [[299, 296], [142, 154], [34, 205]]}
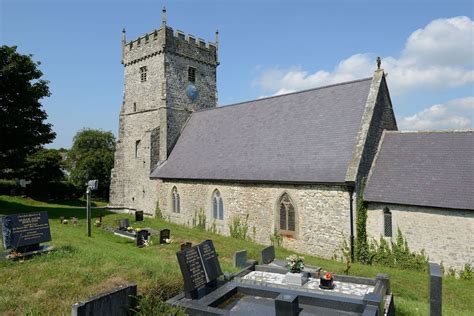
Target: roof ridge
{"points": [[285, 94], [466, 130]]}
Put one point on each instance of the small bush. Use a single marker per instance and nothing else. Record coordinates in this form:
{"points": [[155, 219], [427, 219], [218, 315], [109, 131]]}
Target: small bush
{"points": [[8, 187], [238, 228], [199, 220], [60, 190], [276, 239], [158, 213], [466, 272]]}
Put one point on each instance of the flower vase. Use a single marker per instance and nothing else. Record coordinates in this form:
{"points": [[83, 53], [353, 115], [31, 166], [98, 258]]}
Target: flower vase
{"points": [[298, 279]]}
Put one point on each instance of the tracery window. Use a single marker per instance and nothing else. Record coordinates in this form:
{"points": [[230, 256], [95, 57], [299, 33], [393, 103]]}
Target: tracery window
{"points": [[217, 205], [287, 214], [175, 200]]}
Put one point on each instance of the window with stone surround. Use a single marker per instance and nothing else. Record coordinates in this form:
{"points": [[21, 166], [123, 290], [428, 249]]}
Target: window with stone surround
{"points": [[287, 215], [191, 74], [137, 148], [175, 200], [134, 106], [387, 222], [217, 205], [143, 71]]}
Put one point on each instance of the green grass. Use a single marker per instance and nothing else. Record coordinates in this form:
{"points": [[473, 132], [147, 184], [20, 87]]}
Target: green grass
{"points": [[82, 267]]}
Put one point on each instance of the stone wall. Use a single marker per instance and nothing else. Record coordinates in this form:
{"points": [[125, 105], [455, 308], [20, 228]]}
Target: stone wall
{"points": [[322, 211], [445, 235]]}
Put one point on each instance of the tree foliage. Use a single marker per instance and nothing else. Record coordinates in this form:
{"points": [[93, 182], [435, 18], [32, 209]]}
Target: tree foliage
{"points": [[361, 244], [44, 166], [92, 157], [22, 120]]}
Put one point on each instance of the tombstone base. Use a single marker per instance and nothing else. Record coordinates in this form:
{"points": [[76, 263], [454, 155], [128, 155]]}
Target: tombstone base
{"points": [[29, 252]]}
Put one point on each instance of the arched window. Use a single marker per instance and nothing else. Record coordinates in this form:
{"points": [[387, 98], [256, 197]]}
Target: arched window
{"points": [[217, 205], [287, 214], [387, 222], [175, 200]]}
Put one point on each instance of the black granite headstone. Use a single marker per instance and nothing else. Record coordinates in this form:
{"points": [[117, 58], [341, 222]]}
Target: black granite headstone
{"points": [[240, 259], [199, 267], [436, 289], [185, 245], [287, 305], [267, 255], [138, 216], [142, 236], [21, 231], [123, 223], [164, 234]]}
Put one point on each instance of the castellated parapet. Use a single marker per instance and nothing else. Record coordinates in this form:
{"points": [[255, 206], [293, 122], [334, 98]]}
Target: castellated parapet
{"points": [[156, 106]]}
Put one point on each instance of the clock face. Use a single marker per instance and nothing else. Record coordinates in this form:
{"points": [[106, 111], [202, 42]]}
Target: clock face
{"points": [[192, 92]]}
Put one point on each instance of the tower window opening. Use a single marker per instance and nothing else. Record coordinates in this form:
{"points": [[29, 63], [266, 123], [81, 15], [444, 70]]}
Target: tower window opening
{"points": [[134, 106], [143, 71], [137, 148], [192, 74]]}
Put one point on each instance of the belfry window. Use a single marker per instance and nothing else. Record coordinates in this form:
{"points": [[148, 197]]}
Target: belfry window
{"points": [[287, 214], [175, 200], [217, 205], [387, 222], [143, 71], [192, 74], [137, 148]]}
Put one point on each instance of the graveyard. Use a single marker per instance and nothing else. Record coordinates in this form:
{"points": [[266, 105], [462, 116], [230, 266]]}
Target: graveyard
{"points": [[80, 267]]}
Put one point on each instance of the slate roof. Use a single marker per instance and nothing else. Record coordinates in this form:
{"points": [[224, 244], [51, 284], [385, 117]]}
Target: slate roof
{"points": [[306, 136], [424, 168]]}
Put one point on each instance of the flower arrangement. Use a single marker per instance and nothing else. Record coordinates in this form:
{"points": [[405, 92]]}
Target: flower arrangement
{"points": [[98, 223], [129, 228], [64, 221], [295, 263], [168, 240]]}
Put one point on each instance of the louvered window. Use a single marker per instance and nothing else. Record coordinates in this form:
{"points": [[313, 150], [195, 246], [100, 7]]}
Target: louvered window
{"points": [[143, 71], [192, 74]]}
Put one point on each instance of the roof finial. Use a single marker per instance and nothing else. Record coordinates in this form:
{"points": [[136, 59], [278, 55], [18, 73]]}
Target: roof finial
{"points": [[163, 17], [124, 40], [379, 62], [217, 42]]}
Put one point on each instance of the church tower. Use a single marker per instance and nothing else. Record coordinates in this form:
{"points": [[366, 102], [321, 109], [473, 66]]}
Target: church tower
{"points": [[168, 76]]}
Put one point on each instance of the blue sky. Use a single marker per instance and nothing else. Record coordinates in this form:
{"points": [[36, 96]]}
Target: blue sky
{"points": [[265, 48]]}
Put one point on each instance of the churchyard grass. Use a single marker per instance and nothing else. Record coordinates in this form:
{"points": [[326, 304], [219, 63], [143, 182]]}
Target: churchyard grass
{"points": [[82, 267]]}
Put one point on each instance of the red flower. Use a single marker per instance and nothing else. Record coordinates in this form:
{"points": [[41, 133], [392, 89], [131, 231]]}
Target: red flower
{"points": [[328, 276]]}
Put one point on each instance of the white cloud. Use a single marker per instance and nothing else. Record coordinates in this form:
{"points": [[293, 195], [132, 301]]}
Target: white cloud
{"points": [[455, 114], [439, 55]]}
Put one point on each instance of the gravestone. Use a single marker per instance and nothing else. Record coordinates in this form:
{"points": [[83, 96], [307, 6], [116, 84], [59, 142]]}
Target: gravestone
{"points": [[287, 305], [142, 236], [185, 245], [61, 219], [164, 234], [138, 216], [240, 259], [200, 268], [24, 232], [123, 223], [436, 289], [267, 255]]}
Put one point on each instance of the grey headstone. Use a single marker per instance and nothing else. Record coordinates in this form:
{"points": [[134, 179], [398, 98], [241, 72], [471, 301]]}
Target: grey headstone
{"points": [[286, 305], [123, 223], [267, 255], [436, 288], [240, 259], [164, 234]]}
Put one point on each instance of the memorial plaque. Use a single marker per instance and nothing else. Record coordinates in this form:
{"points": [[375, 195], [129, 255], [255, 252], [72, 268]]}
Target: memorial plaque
{"points": [[21, 230], [199, 267], [164, 234], [138, 216]]}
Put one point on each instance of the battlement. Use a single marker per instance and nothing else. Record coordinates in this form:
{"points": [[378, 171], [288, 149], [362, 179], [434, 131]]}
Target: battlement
{"points": [[177, 35]]}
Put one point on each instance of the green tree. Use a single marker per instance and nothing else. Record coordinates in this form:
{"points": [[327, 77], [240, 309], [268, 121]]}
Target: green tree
{"points": [[44, 166], [92, 157], [22, 120]]}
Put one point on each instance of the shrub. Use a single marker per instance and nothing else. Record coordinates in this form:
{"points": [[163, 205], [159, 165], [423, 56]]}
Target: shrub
{"points": [[199, 220], [466, 272], [57, 190], [276, 239], [158, 213], [9, 187], [362, 251], [238, 228]]}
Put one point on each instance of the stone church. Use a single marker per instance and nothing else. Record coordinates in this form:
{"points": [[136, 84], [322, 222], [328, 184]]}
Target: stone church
{"points": [[292, 164]]}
